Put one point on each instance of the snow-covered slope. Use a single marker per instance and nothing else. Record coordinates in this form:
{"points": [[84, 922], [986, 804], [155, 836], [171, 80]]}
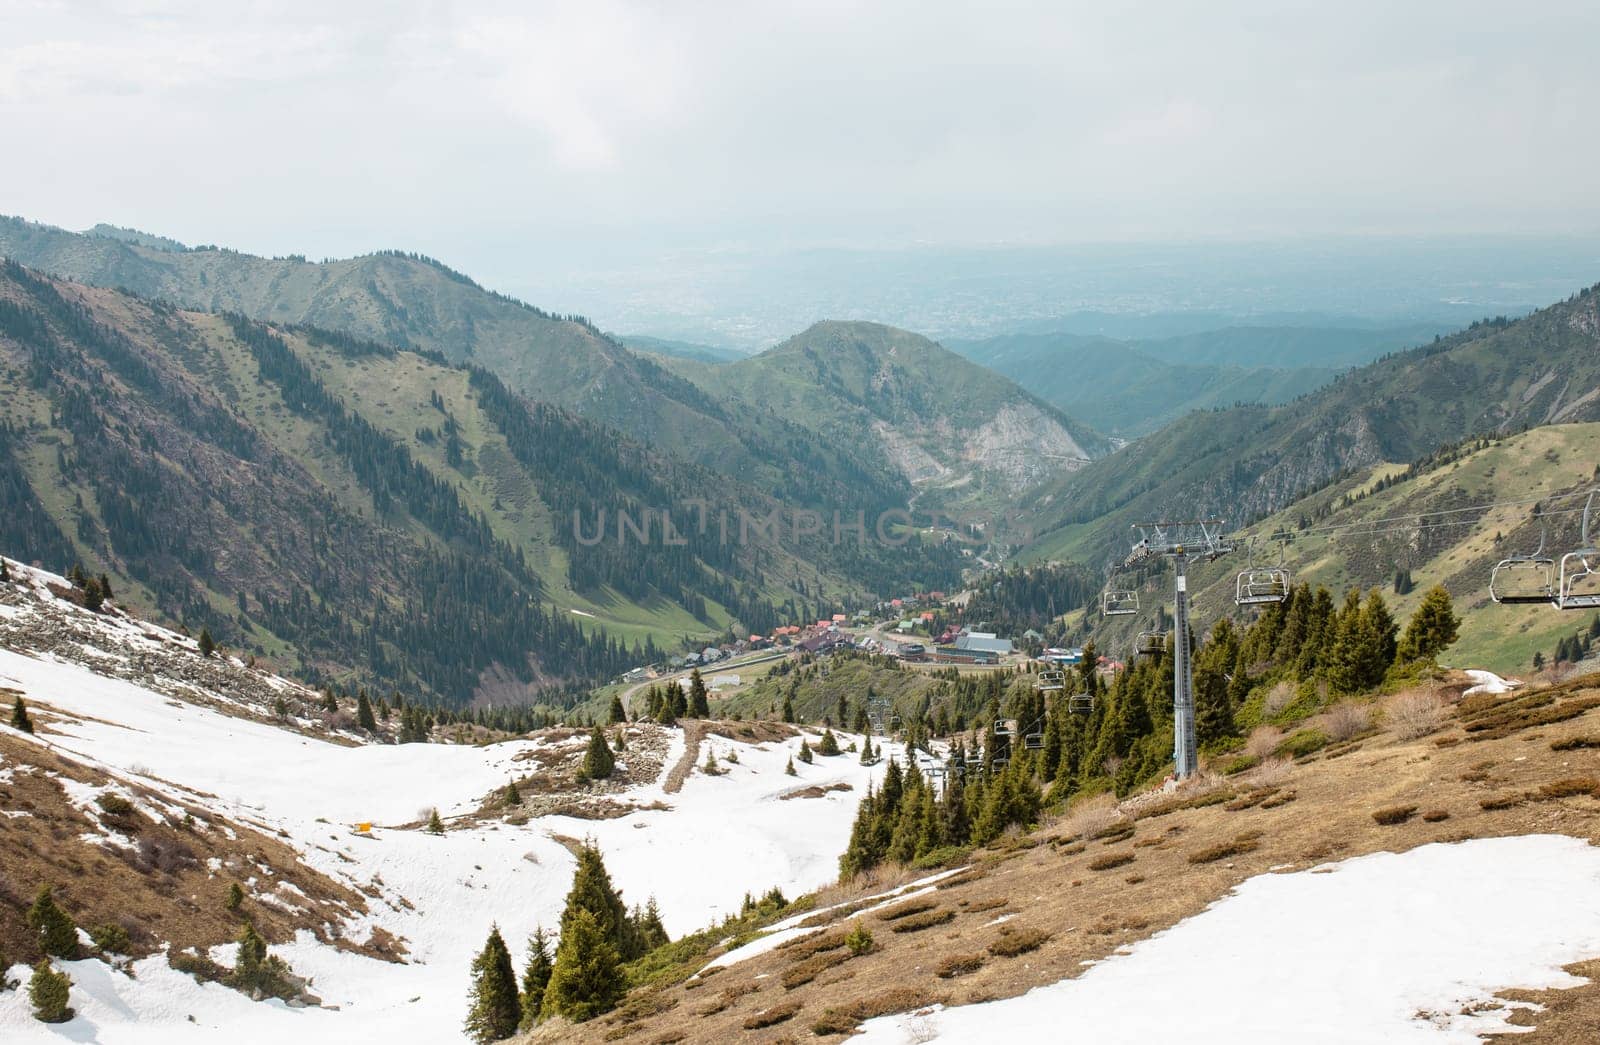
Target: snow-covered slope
{"points": [[696, 851], [1343, 954]]}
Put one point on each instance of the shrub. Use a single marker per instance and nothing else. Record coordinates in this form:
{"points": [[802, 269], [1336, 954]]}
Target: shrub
{"points": [[1575, 743], [49, 991], [1494, 802], [859, 939], [1303, 742], [1107, 861], [1116, 831], [1278, 697], [1223, 850], [944, 856], [803, 972], [907, 909], [1415, 714], [1263, 741], [111, 938], [958, 965], [1394, 815], [1433, 816], [815, 943], [1346, 720], [1015, 940], [925, 920], [1571, 787], [844, 1019], [1238, 764], [774, 1015], [113, 804], [235, 897]]}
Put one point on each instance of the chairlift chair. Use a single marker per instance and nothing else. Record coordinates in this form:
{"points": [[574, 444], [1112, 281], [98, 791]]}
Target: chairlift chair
{"points": [[1002, 728], [1579, 582], [1150, 644], [1033, 741], [1525, 579], [1052, 681], [1118, 602], [1080, 703], [1261, 585]]}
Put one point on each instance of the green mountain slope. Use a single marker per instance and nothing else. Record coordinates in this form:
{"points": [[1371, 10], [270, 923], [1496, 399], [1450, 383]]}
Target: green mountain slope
{"points": [[1244, 462], [957, 432], [1122, 389], [410, 300], [1365, 532], [374, 512]]}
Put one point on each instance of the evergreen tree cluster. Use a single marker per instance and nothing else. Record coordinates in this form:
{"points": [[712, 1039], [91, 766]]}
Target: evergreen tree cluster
{"points": [[584, 978], [1126, 739]]}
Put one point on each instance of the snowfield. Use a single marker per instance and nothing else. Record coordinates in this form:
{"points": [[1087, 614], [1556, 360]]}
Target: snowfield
{"points": [[720, 837], [1382, 949]]}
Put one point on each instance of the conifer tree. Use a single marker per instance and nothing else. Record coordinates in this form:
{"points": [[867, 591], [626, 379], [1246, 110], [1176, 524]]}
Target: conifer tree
{"points": [[592, 891], [699, 703], [828, 745], [788, 769], [50, 993], [805, 752], [512, 796], [788, 708], [616, 714], [586, 979], [619, 742], [52, 927], [5, 571], [93, 597], [105, 587], [364, 717], [866, 751], [535, 977], [208, 646], [19, 717], [597, 761], [435, 825], [1432, 628], [496, 1010], [844, 707], [678, 704]]}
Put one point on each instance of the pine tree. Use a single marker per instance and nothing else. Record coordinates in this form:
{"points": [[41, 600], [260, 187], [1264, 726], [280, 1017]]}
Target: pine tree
{"points": [[235, 897], [1538, 660], [512, 796], [1432, 628], [255, 971], [678, 703], [619, 740], [866, 751], [53, 928], [592, 891], [5, 571], [93, 597], [208, 646], [535, 977], [699, 703], [19, 717], [435, 825], [598, 762], [805, 752], [828, 745], [105, 587], [616, 714], [364, 717], [788, 769], [586, 979], [496, 1010], [50, 992], [788, 707]]}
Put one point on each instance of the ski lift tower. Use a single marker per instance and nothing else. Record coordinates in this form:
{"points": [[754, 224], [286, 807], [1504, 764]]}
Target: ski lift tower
{"points": [[1181, 541]]}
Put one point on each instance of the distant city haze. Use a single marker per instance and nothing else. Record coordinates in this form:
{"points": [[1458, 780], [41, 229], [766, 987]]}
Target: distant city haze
{"points": [[728, 173]]}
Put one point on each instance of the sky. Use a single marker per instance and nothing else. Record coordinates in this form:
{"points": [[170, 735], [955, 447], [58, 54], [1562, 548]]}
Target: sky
{"points": [[505, 138]]}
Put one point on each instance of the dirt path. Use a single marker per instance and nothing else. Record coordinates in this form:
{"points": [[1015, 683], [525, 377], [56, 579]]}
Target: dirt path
{"points": [[694, 731]]}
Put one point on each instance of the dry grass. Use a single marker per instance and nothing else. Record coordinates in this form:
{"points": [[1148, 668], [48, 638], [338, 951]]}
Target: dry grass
{"points": [[844, 1019], [1571, 787], [808, 969], [1270, 773], [1415, 713], [1090, 815], [1581, 742], [814, 943], [906, 910]]}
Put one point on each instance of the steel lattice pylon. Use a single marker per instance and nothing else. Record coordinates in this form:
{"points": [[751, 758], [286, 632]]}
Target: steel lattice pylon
{"points": [[1180, 542]]}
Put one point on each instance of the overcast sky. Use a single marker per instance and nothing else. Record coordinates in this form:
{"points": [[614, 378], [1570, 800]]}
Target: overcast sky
{"points": [[486, 135]]}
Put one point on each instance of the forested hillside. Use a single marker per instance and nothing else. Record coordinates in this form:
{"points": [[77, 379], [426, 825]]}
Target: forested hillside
{"points": [[952, 429], [367, 511], [1244, 462], [409, 300], [1122, 389]]}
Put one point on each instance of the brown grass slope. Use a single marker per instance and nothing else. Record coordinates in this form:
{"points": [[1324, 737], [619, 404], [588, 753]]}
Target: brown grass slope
{"points": [[1500, 766]]}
